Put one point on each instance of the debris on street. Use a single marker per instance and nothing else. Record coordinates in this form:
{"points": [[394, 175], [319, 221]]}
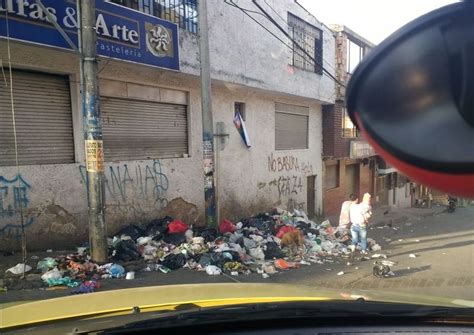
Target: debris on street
{"points": [[252, 245], [412, 256], [19, 269]]}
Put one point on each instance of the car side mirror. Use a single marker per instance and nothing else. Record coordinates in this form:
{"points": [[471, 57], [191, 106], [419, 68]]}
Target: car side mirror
{"points": [[413, 99]]}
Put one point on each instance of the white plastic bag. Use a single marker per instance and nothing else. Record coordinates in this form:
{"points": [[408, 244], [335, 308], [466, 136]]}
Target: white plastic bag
{"points": [[19, 268], [213, 270]]}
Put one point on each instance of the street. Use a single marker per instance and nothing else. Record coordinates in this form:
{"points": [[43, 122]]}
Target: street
{"points": [[443, 264]]}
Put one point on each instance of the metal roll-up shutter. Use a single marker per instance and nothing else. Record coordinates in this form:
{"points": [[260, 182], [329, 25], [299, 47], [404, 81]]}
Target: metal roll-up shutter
{"points": [[135, 129], [291, 127], [43, 118]]}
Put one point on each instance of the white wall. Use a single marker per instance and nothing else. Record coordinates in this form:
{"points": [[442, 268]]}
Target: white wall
{"points": [[402, 197]]}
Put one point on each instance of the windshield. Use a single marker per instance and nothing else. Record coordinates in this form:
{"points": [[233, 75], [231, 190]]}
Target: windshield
{"points": [[171, 142]]}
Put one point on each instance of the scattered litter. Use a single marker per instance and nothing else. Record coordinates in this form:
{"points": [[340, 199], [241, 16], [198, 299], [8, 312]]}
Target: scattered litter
{"points": [[356, 268], [408, 224], [130, 275], [328, 269], [81, 250], [417, 241], [379, 256], [19, 269], [34, 257], [349, 264], [382, 268], [46, 264], [213, 270], [412, 256], [49, 250], [400, 240], [265, 276], [88, 286], [443, 253], [340, 273], [65, 281], [376, 247]]}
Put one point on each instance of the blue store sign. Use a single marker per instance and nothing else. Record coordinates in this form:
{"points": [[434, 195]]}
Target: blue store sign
{"points": [[123, 33]]}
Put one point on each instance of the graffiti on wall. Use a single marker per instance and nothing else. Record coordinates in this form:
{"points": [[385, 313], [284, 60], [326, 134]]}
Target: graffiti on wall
{"points": [[129, 188], [14, 201], [289, 163], [291, 173]]}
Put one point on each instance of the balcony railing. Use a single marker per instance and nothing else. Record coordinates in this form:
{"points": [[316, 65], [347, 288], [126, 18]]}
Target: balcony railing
{"points": [[181, 12]]}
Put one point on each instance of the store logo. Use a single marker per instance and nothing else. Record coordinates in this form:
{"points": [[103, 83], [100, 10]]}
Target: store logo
{"points": [[159, 40]]}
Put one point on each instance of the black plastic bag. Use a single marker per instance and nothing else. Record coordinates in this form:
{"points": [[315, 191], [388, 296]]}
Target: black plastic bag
{"points": [[209, 234], [126, 251], [174, 261], [158, 226], [133, 231], [272, 251], [175, 239]]}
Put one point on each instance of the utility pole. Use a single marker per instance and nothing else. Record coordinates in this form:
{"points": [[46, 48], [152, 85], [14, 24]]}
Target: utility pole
{"points": [[207, 123], [92, 132]]}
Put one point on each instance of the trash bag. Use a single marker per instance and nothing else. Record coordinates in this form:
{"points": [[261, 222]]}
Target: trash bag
{"points": [[213, 270], [65, 281], [88, 286], [116, 271], [219, 258], [52, 274], [257, 253], [209, 234], [126, 251], [132, 230], [249, 243], [272, 250], [204, 260], [226, 227], [158, 226], [174, 261], [175, 238], [236, 238], [46, 264], [283, 230], [19, 269], [177, 227]]}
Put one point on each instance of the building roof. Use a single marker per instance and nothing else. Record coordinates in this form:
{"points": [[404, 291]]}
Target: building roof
{"points": [[340, 28]]}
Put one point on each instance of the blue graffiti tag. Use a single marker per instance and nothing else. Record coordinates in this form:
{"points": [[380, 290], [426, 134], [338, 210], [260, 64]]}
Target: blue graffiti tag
{"points": [[13, 202]]}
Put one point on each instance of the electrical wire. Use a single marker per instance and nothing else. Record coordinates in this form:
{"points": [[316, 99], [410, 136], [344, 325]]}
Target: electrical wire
{"points": [[267, 16], [20, 202], [272, 20]]}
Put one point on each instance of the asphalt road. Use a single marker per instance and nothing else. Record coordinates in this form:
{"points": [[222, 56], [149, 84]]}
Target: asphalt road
{"points": [[444, 264]]}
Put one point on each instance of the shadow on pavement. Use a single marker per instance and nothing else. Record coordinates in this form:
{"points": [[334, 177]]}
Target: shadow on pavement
{"points": [[444, 246], [406, 272]]}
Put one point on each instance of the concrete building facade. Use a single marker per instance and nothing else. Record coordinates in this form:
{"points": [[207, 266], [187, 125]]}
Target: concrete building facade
{"points": [[250, 69]]}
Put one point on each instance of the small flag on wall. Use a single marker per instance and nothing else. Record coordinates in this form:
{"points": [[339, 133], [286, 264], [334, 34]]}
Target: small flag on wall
{"points": [[240, 125]]}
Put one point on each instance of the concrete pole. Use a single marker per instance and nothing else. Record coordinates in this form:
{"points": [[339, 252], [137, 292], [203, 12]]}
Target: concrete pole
{"points": [[93, 134], [207, 123]]}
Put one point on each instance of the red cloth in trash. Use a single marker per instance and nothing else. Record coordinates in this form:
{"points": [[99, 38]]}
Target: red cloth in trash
{"points": [[226, 227], [177, 227], [283, 230]]}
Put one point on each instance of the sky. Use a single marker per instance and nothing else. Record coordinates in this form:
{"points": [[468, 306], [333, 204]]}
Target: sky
{"points": [[372, 19]]}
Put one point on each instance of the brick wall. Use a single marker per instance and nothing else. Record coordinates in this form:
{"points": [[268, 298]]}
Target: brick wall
{"points": [[334, 198], [334, 144]]}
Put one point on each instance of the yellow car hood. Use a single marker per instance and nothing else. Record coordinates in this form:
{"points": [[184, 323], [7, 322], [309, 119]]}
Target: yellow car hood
{"points": [[155, 298]]}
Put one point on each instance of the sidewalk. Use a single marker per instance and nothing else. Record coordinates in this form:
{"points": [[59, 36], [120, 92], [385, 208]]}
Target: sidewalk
{"points": [[389, 215]]}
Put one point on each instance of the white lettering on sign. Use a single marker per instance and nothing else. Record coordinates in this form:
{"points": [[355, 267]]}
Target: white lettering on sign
{"points": [[26, 9], [32, 10], [361, 149]]}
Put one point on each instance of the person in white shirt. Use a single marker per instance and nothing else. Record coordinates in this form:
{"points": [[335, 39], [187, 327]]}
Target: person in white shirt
{"points": [[358, 227]]}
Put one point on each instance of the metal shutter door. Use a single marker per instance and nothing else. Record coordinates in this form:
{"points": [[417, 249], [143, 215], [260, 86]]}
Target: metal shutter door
{"points": [[43, 119], [135, 130], [291, 127]]}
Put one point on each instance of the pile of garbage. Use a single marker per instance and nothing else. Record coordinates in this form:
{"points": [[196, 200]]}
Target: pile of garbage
{"points": [[252, 245]]}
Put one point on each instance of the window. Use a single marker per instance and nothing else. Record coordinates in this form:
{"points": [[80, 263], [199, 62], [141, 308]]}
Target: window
{"points": [[310, 39], [43, 118], [291, 127], [331, 176], [355, 53], [348, 128], [181, 12], [240, 107], [135, 129]]}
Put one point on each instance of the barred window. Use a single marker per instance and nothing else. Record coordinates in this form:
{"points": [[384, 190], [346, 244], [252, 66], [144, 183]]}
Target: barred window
{"points": [[310, 39], [181, 12]]}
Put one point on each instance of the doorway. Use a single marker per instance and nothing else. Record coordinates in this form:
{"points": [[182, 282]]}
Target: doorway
{"points": [[311, 196]]}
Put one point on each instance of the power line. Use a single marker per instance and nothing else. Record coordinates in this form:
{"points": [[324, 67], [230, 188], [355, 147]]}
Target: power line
{"points": [[272, 20], [267, 16]]}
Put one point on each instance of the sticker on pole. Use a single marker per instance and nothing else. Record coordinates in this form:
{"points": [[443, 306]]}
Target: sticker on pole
{"points": [[94, 156]]}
